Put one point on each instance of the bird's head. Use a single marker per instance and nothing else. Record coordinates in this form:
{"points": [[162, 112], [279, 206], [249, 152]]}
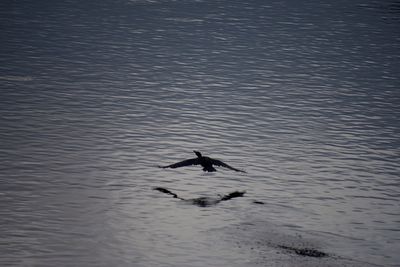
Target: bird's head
{"points": [[198, 154]]}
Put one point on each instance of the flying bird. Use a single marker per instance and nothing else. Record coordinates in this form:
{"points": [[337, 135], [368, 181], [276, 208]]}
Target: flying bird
{"points": [[206, 162]]}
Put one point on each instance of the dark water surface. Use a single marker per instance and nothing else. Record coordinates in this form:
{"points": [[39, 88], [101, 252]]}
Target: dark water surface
{"points": [[304, 95]]}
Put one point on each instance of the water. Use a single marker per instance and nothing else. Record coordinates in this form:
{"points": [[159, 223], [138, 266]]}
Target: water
{"points": [[95, 95]]}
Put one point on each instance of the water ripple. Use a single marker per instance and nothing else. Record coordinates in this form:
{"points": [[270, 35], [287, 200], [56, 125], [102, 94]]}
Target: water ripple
{"points": [[96, 95]]}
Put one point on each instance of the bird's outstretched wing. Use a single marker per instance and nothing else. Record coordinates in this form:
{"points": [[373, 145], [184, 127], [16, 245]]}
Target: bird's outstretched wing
{"points": [[222, 164], [184, 163]]}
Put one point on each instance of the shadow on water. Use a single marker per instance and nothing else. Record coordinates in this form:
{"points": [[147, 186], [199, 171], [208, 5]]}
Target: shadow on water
{"points": [[203, 201], [306, 252], [276, 246], [208, 201]]}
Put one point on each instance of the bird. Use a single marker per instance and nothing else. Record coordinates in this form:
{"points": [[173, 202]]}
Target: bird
{"points": [[206, 162]]}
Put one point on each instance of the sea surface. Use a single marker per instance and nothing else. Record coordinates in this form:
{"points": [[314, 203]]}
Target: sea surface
{"points": [[303, 95]]}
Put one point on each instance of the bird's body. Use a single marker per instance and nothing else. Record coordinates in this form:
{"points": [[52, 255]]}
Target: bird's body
{"points": [[206, 162]]}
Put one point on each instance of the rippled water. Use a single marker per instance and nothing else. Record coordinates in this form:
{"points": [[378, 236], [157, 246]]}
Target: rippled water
{"points": [[95, 95]]}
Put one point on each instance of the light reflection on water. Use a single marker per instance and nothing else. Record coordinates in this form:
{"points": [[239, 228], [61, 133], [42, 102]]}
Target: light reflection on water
{"points": [[95, 96]]}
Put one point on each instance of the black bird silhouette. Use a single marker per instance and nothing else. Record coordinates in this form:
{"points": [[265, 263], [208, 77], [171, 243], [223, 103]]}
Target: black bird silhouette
{"points": [[206, 162]]}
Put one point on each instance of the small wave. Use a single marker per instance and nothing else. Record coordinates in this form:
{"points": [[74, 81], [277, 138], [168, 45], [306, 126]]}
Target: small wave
{"points": [[16, 78], [184, 20]]}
